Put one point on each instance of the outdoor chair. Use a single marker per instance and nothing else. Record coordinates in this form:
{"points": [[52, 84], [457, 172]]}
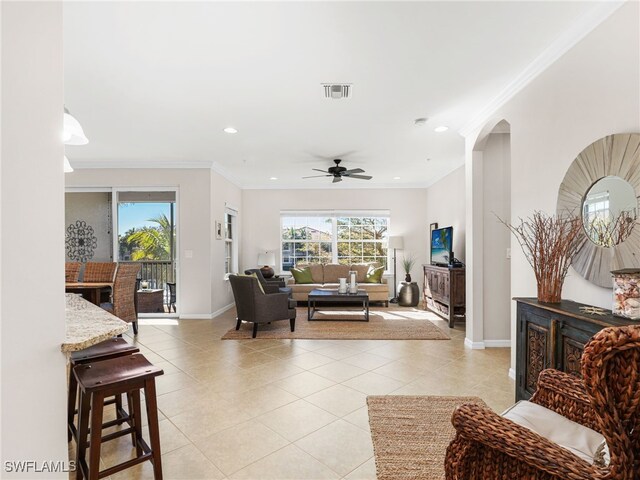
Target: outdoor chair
{"points": [[605, 402], [122, 303], [172, 296], [72, 271], [256, 306]]}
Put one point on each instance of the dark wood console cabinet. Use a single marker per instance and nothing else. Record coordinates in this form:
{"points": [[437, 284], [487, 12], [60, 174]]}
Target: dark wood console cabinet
{"points": [[444, 292], [553, 336]]}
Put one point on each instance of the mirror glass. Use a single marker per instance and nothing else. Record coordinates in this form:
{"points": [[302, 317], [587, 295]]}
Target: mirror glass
{"points": [[609, 211]]}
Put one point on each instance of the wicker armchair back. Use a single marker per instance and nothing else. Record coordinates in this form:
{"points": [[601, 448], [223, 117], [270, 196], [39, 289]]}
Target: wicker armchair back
{"points": [[488, 446], [72, 271], [99, 272], [124, 291]]}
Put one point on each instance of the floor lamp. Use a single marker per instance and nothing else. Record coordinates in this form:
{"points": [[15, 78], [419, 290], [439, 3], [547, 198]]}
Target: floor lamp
{"points": [[397, 243]]}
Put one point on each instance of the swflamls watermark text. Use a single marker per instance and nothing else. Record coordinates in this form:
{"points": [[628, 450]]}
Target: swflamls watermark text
{"points": [[36, 466]]}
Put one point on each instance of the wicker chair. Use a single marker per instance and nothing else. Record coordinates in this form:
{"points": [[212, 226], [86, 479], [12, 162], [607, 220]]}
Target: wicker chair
{"points": [[97, 272], [122, 303], [488, 446], [72, 271], [253, 305]]}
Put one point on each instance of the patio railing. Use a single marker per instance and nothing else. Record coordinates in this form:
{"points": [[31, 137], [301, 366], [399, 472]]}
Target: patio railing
{"points": [[157, 272]]}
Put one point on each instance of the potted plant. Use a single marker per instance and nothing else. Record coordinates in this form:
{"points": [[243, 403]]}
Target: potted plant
{"points": [[407, 264]]}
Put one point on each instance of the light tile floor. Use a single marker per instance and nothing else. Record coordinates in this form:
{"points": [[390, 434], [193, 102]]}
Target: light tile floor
{"points": [[290, 409]]}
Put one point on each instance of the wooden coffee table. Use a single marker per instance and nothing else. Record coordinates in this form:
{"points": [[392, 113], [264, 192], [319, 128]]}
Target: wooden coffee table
{"points": [[331, 298]]}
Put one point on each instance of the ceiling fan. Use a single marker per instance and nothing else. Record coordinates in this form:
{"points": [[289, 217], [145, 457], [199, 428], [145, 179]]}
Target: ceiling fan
{"points": [[338, 172]]}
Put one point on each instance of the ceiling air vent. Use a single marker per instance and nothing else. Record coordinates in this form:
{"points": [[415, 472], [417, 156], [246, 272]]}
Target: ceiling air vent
{"points": [[337, 90]]}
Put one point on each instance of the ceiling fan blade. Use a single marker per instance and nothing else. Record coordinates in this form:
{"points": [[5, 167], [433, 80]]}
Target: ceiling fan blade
{"points": [[337, 179], [355, 170], [361, 177], [316, 176], [318, 170]]}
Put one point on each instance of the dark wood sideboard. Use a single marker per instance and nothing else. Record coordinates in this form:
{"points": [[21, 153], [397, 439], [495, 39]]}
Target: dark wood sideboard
{"points": [[553, 335], [444, 292]]}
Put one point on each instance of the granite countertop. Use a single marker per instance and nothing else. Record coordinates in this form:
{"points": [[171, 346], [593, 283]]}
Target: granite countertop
{"points": [[88, 324]]}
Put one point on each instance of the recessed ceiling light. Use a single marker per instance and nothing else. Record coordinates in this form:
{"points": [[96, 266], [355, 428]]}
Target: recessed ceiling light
{"points": [[273, 178], [418, 122], [230, 130], [441, 128], [396, 178]]}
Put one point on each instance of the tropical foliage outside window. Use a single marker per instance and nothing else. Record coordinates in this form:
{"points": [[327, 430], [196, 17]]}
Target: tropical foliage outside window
{"points": [[333, 239]]}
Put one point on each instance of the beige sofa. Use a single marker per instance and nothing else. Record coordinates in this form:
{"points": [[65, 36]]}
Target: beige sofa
{"points": [[326, 276]]}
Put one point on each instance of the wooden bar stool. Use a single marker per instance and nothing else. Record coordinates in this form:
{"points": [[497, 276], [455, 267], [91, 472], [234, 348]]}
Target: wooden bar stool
{"points": [[112, 348], [116, 376]]}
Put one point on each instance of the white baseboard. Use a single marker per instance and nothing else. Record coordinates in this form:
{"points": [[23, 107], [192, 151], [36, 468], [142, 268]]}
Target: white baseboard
{"points": [[195, 316], [220, 311], [512, 373], [206, 316], [497, 343], [473, 345]]}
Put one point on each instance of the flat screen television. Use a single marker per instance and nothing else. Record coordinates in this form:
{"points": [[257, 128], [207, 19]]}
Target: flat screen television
{"points": [[441, 245]]}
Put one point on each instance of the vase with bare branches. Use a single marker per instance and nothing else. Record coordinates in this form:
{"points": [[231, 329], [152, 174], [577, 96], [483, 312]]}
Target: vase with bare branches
{"points": [[549, 243]]}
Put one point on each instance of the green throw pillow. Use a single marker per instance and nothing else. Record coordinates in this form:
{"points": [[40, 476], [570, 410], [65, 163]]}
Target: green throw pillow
{"points": [[302, 275], [374, 275], [254, 276]]}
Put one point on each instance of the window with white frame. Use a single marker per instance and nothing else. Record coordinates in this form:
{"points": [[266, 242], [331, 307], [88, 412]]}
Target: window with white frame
{"points": [[230, 241], [333, 237]]}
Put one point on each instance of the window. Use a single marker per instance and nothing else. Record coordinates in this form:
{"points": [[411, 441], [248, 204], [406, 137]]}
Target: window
{"points": [[230, 242], [341, 237]]}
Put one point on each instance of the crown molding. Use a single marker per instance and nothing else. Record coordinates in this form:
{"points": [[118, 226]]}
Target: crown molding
{"points": [[89, 164], [569, 38]]}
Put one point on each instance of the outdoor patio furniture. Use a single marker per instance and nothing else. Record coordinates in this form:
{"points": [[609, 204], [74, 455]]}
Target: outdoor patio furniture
{"points": [[172, 296]]}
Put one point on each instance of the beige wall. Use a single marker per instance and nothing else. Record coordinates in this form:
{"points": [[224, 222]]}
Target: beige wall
{"points": [[261, 217], [94, 208], [445, 205], [496, 238], [590, 92], [194, 218], [223, 193], [32, 238]]}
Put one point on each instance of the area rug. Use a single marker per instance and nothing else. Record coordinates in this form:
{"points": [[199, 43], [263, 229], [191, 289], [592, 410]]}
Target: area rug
{"points": [[383, 324], [411, 434]]}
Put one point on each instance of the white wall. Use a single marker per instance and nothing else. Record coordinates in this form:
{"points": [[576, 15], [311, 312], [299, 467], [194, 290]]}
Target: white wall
{"points": [[496, 302], [590, 92], [261, 217], [223, 193], [445, 202], [33, 425]]}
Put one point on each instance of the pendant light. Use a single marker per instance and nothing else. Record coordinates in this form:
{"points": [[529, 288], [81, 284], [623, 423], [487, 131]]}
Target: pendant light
{"points": [[73, 133]]}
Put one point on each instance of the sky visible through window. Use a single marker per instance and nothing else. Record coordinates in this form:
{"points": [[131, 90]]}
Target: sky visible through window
{"points": [[137, 215]]}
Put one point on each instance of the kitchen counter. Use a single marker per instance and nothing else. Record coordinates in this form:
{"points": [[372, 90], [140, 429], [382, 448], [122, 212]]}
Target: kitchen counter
{"points": [[88, 324]]}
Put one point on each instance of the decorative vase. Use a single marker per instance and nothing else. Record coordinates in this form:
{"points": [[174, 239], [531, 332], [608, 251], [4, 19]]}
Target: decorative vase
{"points": [[267, 271], [409, 294], [342, 288], [549, 292], [407, 278]]}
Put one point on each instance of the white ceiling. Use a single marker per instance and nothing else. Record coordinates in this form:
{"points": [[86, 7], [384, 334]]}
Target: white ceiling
{"points": [[155, 83]]}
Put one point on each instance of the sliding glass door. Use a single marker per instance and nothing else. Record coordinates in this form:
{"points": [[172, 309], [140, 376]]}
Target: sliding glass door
{"points": [[146, 233]]}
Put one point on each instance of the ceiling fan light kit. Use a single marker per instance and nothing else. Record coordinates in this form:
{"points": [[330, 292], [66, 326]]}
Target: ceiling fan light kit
{"points": [[336, 91], [339, 172]]}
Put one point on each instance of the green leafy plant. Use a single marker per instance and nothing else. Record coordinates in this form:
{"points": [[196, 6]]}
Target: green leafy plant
{"points": [[408, 263], [151, 243]]}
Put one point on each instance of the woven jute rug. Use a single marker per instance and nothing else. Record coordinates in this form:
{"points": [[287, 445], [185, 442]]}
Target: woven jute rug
{"points": [[383, 324], [411, 434]]}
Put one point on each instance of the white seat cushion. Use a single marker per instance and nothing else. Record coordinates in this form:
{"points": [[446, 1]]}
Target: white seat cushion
{"points": [[578, 439]]}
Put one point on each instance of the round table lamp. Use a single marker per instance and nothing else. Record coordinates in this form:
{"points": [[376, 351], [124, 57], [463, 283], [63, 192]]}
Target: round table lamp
{"points": [[267, 260]]}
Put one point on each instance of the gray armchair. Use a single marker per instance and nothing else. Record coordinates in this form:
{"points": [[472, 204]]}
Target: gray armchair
{"points": [[270, 285], [254, 306]]}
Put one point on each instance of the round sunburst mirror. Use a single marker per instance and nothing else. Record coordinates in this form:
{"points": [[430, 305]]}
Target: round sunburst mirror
{"points": [[602, 185]]}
